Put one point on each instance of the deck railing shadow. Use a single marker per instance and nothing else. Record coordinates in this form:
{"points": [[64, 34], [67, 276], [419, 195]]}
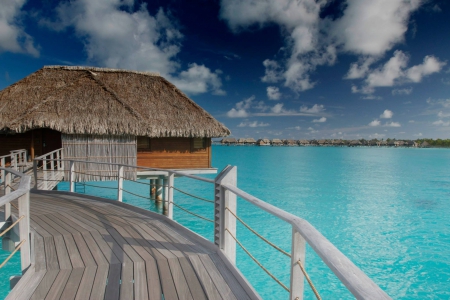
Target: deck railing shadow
{"points": [[225, 217]]}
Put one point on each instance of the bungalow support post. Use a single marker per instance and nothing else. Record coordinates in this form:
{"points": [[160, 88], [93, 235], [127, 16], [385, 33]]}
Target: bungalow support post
{"points": [[159, 189], [224, 206], [169, 198], [297, 253], [7, 191], [152, 189], [24, 230]]}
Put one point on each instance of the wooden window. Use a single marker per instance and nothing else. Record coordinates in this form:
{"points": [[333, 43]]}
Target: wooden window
{"points": [[199, 143], [143, 143]]}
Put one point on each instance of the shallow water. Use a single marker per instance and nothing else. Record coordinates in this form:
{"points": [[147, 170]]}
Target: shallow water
{"points": [[385, 208]]}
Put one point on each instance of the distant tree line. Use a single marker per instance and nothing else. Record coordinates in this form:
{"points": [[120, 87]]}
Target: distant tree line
{"points": [[435, 143]]}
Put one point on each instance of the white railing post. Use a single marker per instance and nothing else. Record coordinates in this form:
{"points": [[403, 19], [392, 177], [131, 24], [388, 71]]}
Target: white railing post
{"points": [[13, 160], [171, 179], [24, 230], [52, 165], [58, 162], [165, 196], [35, 162], [2, 164], [72, 176], [44, 173], [153, 189], [297, 277], [61, 155], [159, 189], [7, 191], [224, 221], [120, 184]]}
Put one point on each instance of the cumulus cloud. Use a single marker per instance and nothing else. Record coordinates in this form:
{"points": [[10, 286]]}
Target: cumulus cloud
{"points": [[387, 114], [375, 123], [405, 91], [199, 79], [359, 69], [117, 36], [321, 120], [441, 123], [273, 93], [372, 27], [392, 124], [240, 109], [315, 109], [395, 72], [441, 114], [253, 124], [13, 37]]}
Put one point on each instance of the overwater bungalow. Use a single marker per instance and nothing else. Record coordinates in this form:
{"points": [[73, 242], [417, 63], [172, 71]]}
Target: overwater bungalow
{"points": [[241, 141], [263, 142], [276, 142], [425, 144], [250, 141], [354, 143], [290, 143], [110, 115], [228, 141], [303, 142]]}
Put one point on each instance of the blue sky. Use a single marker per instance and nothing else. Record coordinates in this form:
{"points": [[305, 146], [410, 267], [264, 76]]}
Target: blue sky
{"points": [[287, 69]]}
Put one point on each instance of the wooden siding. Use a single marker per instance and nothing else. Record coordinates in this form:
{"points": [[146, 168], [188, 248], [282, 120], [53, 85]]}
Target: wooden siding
{"points": [[175, 153], [37, 141]]}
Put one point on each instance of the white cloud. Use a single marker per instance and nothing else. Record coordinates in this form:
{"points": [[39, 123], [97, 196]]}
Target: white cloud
{"points": [[116, 36], [253, 124], [372, 27], [13, 37], [359, 69], [315, 109], [277, 108], [392, 124], [237, 113], [240, 110], [377, 135], [199, 79], [387, 114], [273, 72], [441, 114], [405, 91], [429, 66], [441, 123], [394, 72], [321, 120], [418, 134], [273, 93], [375, 123]]}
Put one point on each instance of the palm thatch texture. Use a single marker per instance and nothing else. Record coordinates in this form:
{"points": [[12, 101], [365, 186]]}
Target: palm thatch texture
{"points": [[87, 100]]}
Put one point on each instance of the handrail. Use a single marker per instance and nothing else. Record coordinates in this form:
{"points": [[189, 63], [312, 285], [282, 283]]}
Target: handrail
{"points": [[167, 171], [356, 281], [22, 194], [47, 154]]}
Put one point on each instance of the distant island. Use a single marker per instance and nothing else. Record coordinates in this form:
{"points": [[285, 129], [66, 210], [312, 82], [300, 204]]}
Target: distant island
{"points": [[419, 143]]}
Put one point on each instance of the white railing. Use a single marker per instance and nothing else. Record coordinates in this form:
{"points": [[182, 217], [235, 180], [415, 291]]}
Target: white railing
{"points": [[22, 194], [225, 215], [50, 163], [16, 159]]}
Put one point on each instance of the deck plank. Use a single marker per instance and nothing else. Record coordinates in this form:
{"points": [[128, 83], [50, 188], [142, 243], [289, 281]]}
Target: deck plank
{"points": [[90, 249]]}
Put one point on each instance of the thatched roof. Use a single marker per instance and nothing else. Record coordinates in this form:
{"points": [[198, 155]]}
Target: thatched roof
{"points": [[86, 100]]}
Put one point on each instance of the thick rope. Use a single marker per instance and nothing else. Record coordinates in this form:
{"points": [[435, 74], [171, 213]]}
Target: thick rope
{"points": [[309, 280], [97, 186], [258, 263], [11, 255], [193, 196], [194, 214], [258, 235], [136, 194], [12, 225]]}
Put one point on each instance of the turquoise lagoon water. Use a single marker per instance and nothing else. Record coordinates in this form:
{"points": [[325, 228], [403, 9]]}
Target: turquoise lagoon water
{"points": [[386, 209]]}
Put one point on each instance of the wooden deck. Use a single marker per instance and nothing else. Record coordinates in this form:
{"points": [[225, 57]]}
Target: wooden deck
{"points": [[90, 248]]}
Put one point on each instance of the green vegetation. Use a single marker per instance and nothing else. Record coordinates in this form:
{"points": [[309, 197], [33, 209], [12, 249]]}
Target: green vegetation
{"points": [[435, 143]]}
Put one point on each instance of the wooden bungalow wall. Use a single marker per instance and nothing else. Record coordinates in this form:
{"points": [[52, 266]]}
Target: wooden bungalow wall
{"points": [[174, 153], [37, 142], [100, 148]]}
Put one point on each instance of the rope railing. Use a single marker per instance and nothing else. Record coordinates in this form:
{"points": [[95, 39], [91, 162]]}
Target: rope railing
{"points": [[194, 214], [192, 195], [258, 235], [299, 262], [11, 226], [137, 195], [98, 186], [12, 253], [258, 263]]}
